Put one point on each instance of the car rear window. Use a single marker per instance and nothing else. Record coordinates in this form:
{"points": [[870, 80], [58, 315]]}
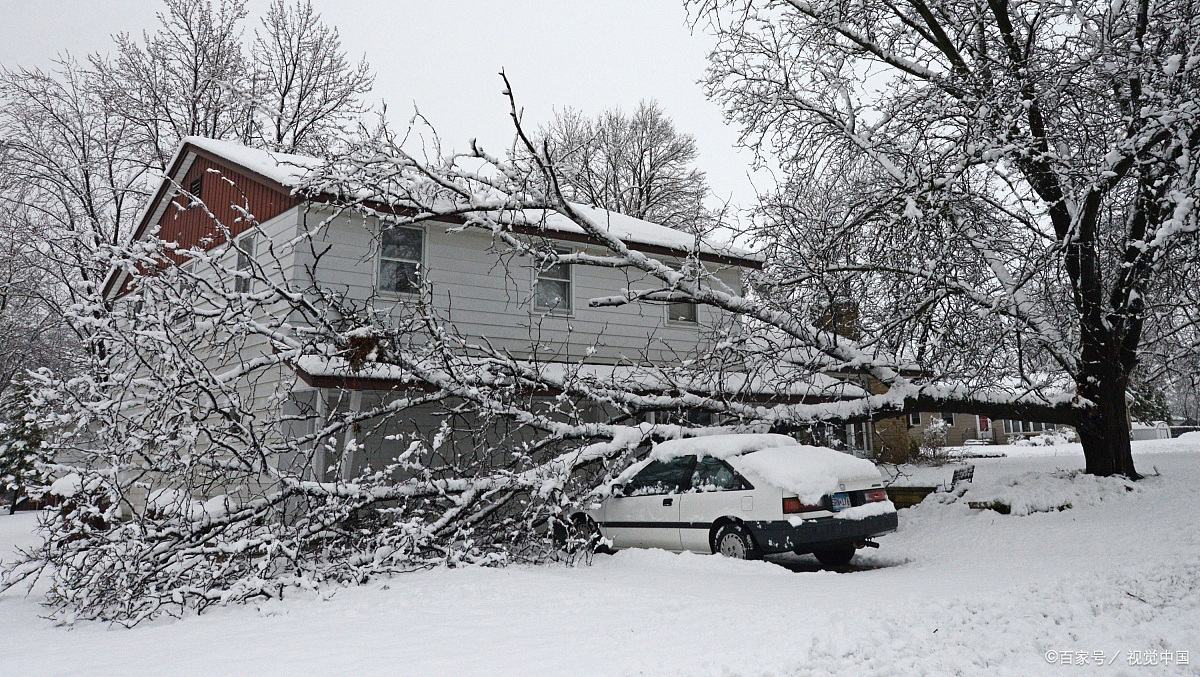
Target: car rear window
{"points": [[713, 474], [662, 477]]}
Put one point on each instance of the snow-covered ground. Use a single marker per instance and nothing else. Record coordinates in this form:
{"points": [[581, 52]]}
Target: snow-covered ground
{"points": [[954, 592]]}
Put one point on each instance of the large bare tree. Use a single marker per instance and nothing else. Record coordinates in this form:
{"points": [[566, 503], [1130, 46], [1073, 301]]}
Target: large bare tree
{"points": [[631, 163], [1017, 179], [71, 182], [290, 89], [83, 142], [305, 87], [181, 80]]}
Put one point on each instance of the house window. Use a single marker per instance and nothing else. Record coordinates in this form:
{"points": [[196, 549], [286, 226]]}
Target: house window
{"points": [[245, 261], [186, 281], [1025, 427], [859, 436], [948, 418], [553, 288], [681, 312], [400, 260], [914, 419], [186, 287], [195, 188], [687, 417]]}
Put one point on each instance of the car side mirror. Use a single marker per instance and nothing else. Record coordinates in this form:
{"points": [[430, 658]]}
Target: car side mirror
{"points": [[617, 490]]}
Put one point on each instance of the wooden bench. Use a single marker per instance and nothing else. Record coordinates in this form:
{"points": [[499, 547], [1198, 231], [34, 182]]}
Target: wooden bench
{"points": [[907, 497]]}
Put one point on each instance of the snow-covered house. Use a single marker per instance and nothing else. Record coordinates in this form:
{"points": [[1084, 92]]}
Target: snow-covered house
{"points": [[519, 307]]}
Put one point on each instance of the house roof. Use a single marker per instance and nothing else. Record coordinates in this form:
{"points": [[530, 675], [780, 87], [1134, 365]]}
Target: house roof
{"points": [[284, 172], [290, 170]]}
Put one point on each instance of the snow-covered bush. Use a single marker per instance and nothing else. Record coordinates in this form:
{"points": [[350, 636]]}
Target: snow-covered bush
{"points": [[932, 450], [197, 479], [23, 454], [1047, 492], [1047, 439]]}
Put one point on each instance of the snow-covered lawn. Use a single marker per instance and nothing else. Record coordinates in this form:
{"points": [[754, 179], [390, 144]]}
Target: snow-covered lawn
{"points": [[954, 592]]}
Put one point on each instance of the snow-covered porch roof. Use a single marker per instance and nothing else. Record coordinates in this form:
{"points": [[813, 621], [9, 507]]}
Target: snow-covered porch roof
{"points": [[336, 372]]}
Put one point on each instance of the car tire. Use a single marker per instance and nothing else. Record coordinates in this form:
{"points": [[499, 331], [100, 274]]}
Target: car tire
{"points": [[734, 540], [836, 556]]}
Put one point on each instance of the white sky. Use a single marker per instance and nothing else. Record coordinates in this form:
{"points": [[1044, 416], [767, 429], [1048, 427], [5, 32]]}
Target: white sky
{"points": [[444, 56]]}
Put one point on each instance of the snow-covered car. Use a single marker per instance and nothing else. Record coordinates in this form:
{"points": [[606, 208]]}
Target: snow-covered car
{"points": [[745, 496]]}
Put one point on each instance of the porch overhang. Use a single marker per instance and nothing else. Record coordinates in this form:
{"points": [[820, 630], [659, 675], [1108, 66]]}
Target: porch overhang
{"points": [[337, 372]]}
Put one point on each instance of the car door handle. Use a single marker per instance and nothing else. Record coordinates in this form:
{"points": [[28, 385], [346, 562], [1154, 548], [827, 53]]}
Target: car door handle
{"points": [[668, 501]]}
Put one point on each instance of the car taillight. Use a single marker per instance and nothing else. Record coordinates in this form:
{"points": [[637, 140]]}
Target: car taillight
{"points": [[793, 505], [874, 495]]}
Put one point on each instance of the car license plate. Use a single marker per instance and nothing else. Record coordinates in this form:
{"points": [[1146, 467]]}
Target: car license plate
{"points": [[841, 502]]}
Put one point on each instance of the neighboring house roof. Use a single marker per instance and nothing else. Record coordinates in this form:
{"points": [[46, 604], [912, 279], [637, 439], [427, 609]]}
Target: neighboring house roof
{"points": [[283, 172]]}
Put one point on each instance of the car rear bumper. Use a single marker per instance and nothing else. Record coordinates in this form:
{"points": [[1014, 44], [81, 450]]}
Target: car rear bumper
{"points": [[812, 534]]}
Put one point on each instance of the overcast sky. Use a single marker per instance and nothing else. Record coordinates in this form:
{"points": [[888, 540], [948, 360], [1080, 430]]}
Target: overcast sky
{"points": [[444, 56]]}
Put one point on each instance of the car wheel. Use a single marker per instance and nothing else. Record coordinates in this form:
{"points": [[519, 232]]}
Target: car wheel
{"points": [[734, 540], [836, 556]]}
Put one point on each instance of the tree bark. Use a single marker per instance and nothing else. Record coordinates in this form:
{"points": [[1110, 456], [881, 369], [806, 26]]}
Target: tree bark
{"points": [[1105, 434]]}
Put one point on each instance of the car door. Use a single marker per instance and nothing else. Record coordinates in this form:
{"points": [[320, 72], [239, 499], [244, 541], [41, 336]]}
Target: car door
{"points": [[647, 515], [715, 490]]}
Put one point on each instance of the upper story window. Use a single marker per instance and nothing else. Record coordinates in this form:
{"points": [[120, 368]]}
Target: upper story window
{"points": [[186, 281], [948, 418], [914, 419], [196, 187], [681, 312], [401, 260], [245, 263], [186, 288], [552, 290]]}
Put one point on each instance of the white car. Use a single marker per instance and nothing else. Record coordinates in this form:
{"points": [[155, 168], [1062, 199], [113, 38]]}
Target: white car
{"points": [[745, 496]]}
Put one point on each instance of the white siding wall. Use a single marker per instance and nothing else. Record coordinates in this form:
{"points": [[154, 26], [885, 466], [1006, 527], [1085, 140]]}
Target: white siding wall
{"points": [[227, 352], [487, 294]]}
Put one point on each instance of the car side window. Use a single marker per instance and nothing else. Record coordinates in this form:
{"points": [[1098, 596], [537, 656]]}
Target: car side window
{"points": [[661, 477], [713, 474]]}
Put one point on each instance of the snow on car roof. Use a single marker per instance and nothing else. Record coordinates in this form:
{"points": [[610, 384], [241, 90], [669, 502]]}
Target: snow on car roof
{"points": [[811, 472], [719, 446]]}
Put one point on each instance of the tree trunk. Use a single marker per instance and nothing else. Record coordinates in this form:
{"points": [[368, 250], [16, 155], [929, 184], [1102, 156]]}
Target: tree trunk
{"points": [[1105, 435]]}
